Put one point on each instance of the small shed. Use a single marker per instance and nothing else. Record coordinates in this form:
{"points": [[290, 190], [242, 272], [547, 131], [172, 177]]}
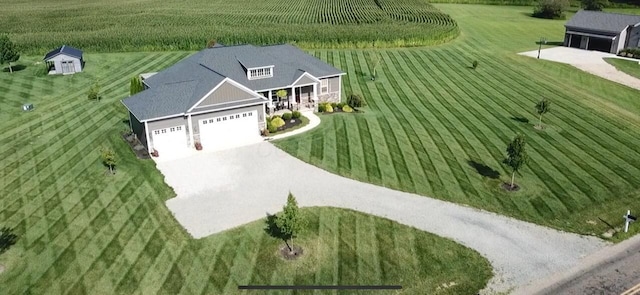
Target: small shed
{"points": [[64, 60]]}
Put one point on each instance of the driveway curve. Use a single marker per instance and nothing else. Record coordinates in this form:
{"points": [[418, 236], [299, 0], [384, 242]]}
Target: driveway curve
{"points": [[222, 190]]}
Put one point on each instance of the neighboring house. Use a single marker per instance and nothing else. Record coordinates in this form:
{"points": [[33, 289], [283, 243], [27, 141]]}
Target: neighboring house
{"points": [[219, 96], [602, 31], [65, 60]]}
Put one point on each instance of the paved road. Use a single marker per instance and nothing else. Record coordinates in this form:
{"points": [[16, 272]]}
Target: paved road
{"points": [[611, 270], [219, 191]]}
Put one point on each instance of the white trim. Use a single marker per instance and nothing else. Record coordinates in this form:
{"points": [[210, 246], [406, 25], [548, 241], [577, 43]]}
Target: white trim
{"points": [[328, 87], [165, 117], [591, 35], [315, 92], [147, 135], [242, 87], [190, 126], [215, 104], [329, 76], [255, 68], [309, 75], [60, 53], [249, 70], [229, 108], [339, 88]]}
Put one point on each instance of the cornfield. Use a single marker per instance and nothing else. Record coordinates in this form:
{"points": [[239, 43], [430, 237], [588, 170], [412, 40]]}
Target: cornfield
{"points": [[149, 25]]}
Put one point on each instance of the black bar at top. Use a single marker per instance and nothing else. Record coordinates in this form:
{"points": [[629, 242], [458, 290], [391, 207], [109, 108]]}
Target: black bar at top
{"points": [[283, 287]]}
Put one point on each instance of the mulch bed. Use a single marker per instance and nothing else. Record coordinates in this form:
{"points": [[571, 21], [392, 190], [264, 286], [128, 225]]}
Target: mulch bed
{"points": [[291, 255], [337, 110], [135, 145], [507, 187], [290, 123]]}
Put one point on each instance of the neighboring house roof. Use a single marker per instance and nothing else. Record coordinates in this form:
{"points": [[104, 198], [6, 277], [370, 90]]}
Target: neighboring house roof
{"points": [[612, 23], [64, 49], [178, 88]]}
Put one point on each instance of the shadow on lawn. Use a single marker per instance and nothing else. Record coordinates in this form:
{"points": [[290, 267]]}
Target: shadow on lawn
{"points": [[484, 170], [7, 239], [15, 68], [271, 228], [520, 119]]}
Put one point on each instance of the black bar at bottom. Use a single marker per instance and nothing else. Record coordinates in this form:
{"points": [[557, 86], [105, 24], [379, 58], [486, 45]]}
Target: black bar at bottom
{"points": [[283, 287]]}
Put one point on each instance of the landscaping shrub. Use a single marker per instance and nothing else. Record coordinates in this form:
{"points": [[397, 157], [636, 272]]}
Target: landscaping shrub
{"points": [[271, 128], [355, 101], [296, 114], [552, 9], [322, 108], [347, 109], [277, 122], [341, 104], [474, 64], [334, 105], [287, 116], [328, 108], [41, 69]]}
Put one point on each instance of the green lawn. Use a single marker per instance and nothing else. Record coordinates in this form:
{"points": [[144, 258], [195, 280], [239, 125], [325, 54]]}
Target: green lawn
{"points": [[628, 66], [82, 231], [438, 128]]}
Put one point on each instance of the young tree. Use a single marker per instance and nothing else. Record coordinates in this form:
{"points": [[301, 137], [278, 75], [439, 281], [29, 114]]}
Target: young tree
{"points": [[289, 221], [282, 94], [136, 85], [375, 61], [516, 156], [109, 159], [8, 52], [94, 92], [542, 108], [7, 239]]}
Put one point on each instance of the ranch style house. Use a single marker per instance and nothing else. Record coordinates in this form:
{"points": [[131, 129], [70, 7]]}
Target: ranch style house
{"points": [[602, 31], [220, 97], [64, 60]]}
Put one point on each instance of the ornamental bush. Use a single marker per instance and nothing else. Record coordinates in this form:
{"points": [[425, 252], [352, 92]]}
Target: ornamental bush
{"points": [[287, 116], [296, 114], [341, 105], [322, 108], [271, 128], [277, 122], [328, 108], [347, 109], [355, 100], [334, 105]]}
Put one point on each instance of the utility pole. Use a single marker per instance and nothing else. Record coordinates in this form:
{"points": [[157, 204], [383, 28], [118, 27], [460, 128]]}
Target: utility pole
{"points": [[628, 218]]}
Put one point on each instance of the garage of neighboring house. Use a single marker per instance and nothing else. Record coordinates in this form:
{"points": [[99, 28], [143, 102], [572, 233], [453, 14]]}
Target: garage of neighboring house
{"points": [[170, 138], [602, 31], [64, 60]]}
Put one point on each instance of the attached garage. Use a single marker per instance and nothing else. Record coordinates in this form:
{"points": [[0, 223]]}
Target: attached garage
{"points": [[169, 139], [229, 130]]}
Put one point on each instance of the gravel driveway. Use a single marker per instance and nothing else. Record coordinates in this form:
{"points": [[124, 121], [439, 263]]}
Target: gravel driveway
{"points": [[219, 191], [588, 61]]}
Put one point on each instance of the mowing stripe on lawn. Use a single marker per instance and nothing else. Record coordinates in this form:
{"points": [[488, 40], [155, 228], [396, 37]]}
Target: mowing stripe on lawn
{"points": [[342, 145], [368, 150]]}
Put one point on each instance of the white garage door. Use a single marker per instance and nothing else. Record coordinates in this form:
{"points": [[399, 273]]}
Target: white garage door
{"points": [[229, 131], [170, 139]]}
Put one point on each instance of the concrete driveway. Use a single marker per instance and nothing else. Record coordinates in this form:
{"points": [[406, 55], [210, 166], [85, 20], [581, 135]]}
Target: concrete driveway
{"points": [[219, 191], [589, 61]]}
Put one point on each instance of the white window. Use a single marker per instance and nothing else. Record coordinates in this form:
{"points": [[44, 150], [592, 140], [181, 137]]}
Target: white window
{"points": [[224, 118], [324, 86], [244, 114], [260, 73], [173, 129], [250, 114], [210, 120], [218, 119], [179, 128], [163, 130], [237, 116], [231, 117], [204, 122], [156, 132]]}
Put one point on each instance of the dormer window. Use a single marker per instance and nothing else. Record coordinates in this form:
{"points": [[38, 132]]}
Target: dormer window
{"points": [[259, 73]]}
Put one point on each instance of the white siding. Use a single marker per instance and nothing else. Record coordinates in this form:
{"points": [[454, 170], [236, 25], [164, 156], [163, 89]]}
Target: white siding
{"points": [[58, 59]]}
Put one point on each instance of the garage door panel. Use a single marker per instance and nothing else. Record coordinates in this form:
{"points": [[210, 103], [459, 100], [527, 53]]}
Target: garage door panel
{"points": [[169, 139], [229, 131]]}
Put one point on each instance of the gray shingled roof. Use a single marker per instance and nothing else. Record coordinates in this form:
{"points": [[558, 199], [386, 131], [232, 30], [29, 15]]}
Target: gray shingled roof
{"points": [[176, 89], [611, 23], [68, 50]]}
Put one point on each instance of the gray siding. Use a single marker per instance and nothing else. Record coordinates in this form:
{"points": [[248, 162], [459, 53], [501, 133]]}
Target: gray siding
{"points": [[226, 93], [634, 38], [334, 84], [304, 81], [138, 128], [259, 120], [58, 59]]}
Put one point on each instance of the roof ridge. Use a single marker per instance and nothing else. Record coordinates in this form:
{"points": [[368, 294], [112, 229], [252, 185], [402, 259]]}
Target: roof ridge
{"points": [[607, 12]]}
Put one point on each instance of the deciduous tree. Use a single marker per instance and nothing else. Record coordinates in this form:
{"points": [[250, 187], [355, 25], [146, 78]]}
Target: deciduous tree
{"points": [[516, 156], [542, 108], [552, 9], [8, 52], [289, 221], [109, 158], [94, 92], [596, 5]]}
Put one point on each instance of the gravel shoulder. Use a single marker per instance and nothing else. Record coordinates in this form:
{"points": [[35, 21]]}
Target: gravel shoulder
{"points": [[589, 61], [223, 190]]}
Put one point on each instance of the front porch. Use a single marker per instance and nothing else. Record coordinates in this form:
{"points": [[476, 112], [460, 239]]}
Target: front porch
{"points": [[298, 98]]}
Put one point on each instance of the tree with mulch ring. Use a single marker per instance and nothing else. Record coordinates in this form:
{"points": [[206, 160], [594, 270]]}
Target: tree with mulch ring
{"points": [[516, 159], [542, 108], [289, 224]]}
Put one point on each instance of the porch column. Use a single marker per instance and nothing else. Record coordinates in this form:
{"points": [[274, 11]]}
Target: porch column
{"points": [[190, 124], [569, 44], [293, 96], [587, 46], [315, 92]]}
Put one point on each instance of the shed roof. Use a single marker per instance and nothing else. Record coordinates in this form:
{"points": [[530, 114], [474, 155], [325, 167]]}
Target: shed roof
{"points": [[612, 23], [64, 49]]}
